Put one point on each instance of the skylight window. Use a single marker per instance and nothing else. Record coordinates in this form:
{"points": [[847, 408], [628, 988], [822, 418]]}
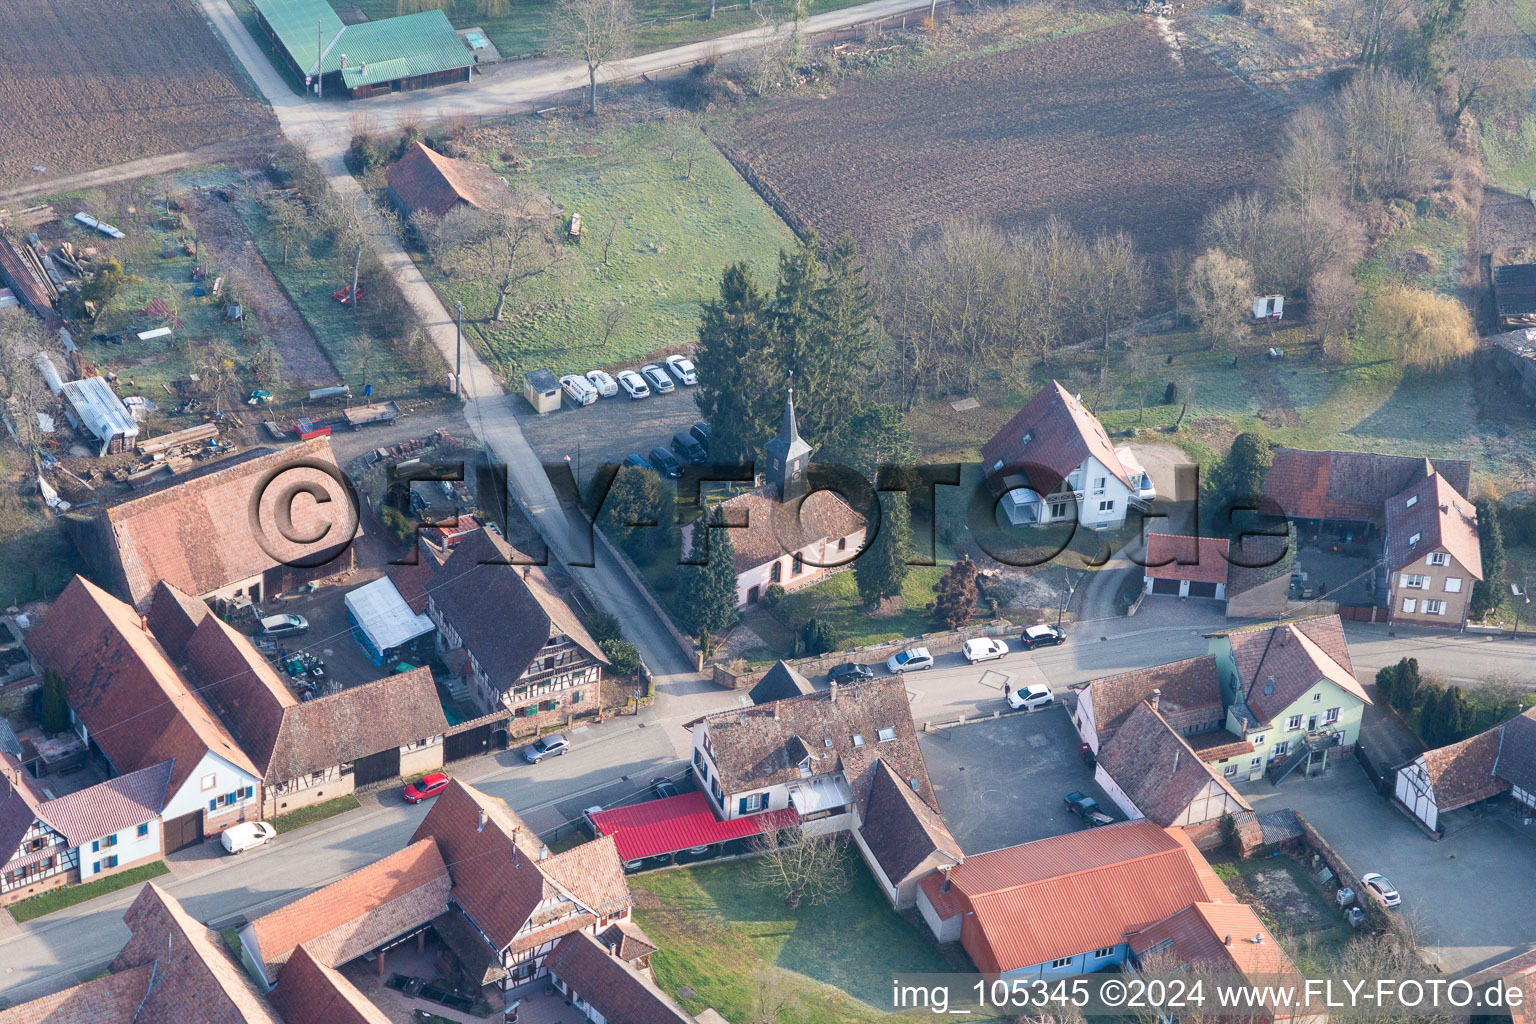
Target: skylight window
{"points": [[1411, 502], [1414, 539], [887, 734]]}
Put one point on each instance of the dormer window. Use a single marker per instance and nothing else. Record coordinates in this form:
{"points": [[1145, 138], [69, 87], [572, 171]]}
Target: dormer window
{"points": [[1411, 502], [858, 739]]}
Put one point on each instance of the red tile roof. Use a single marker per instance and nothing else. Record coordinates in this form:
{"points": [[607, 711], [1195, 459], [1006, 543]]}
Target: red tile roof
{"points": [[1463, 773], [195, 532], [108, 807], [1350, 485], [1074, 893], [196, 979], [1224, 939], [346, 919], [770, 529], [1053, 433], [1431, 516], [428, 182], [173, 617], [1197, 559], [114, 999], [240, 685], [680, 823], [19, 803], [1157, 769], [609, 985], [310, 992], [498, 879], [1278, 663], [1189, 694], [120, 681]]}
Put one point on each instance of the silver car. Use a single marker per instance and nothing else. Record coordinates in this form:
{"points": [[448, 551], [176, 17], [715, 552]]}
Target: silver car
{"points": [[552, 745], [657, 378]]}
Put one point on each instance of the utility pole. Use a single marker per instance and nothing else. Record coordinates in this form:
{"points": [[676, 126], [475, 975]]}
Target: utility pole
{"points": [[1521, 593], [458, 351], [319, 63]]}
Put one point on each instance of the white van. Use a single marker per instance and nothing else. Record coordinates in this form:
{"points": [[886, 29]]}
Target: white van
{"points": [[247, 836], [578, 389]]}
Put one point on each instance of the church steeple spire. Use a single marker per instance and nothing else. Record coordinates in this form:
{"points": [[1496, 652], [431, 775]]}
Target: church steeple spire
{"points": [[789, 455]]}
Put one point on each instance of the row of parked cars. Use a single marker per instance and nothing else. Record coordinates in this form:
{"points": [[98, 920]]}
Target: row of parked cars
{"points": [[691, 445], [584, 389]]}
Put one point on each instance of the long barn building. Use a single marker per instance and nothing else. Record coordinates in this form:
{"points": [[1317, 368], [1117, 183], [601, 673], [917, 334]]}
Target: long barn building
{"points": [[416, 51]]}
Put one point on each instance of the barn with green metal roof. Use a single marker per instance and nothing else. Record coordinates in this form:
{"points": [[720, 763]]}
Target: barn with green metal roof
{"points": [[415, 51]]}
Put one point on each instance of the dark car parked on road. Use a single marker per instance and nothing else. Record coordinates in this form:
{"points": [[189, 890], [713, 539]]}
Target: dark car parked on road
{"points": [[687, 447], [851, 672], [664, 462]]}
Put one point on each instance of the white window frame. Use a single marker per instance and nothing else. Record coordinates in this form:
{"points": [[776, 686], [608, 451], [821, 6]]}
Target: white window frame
{"points": [[1410, 606], [1281, 748], [1230, 771], [1413, 581], [1258, 740], [1059, 509], [1439, 558], [1293, 723], [209, 781], [1254, 762], [1434, 607], [1107, 506], [1101, 954], [1060, 962], [1330, 716]]}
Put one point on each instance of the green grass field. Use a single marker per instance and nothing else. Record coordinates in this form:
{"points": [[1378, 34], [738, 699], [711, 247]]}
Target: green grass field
{"points": [[723, 934], [525, 28], [72, 895], [671, 239], [836, 599], [314, 812]]}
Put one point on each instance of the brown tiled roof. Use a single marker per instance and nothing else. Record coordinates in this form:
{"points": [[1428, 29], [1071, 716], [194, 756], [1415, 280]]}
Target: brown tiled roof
{"points": [[1438, 518], [1198, 559], [173, 616], [1219, 938], [1517, 754], [498, 880], [779, 682], [19, 804], [764, 529], [1073, 893], [1157, 769], [751, 746], [1190, 694], [504, 613], [241, 687], [609, 985], [1061, 432], [359, 721], [114, 999], [593, 874], [1350, 485], [627, 941], [411, 580], [901, 830], [196, 978], [1278, 663], [311, 992], [195, 532], [346, 919], [108, 807], [428, 182], [1463, 773], [137, 706], [1218, 744]]}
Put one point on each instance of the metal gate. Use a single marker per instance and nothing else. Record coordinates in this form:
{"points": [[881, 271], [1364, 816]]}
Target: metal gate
{"points": [[376, 767], [469, 743], [1162, 586], [184, 831], [1197, 589]]}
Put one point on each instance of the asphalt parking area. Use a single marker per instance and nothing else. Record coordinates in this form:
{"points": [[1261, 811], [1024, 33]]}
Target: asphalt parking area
{"points": [[608, 429], [1470, 895], [1000, 782]]}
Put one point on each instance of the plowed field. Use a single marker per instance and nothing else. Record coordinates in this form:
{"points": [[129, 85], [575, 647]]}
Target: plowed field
{"points": [[1113, 127], [88, 83]]}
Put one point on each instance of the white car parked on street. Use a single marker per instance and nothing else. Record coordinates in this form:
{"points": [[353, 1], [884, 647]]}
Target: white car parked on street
{"points": [[633, 384], [578, 389], [983, 649], [682, 369], [247, 836], [606, 386], [1032, 697], [912, 659]]}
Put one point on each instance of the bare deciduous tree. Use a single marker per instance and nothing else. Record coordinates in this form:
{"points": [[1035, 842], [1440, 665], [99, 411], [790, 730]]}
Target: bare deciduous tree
{"points": [[1390, 141], [1221, 295], [806, 869], [1309, 159], [1332, 296], [594, 32], [767, 62], [1485, 61], [501, 246]]}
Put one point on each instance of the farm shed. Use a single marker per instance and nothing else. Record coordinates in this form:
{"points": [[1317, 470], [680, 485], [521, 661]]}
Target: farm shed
{"points": [[25, 283], [416, 51], [542, 391], [424, 181], [95, 407], [1514, 294], [1513, 355], [383, 624], [1187, 566]]}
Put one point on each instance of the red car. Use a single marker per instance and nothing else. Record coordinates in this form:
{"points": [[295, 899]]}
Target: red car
{"points": [[425, 788]]}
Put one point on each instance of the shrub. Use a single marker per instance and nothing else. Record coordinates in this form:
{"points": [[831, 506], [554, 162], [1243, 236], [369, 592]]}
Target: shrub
{"points": [[604, 626], [1171, 392], [773, 596], [818, 636], [397, 525], [623, 658]]}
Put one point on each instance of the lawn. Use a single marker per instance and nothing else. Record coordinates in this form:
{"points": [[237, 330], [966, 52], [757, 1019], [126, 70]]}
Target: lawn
{"points": [[524, 31], [722, 933], [836, 599], [1291, 905], [313, 813], [671, 237], [71, 895]]}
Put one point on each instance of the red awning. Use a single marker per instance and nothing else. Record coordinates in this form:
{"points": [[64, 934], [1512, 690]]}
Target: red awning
{"points": [[680, 823]]}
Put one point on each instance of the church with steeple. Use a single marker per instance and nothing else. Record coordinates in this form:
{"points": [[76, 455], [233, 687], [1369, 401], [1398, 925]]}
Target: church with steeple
{"points": [[792, 536]]}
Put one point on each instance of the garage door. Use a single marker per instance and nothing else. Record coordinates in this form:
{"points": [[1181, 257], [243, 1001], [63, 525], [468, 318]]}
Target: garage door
{"points": [[1202, 589], [1160, 586], [184, 831], [376, 767]]}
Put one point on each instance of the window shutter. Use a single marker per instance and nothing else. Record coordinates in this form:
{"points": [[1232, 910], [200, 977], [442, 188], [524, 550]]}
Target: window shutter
{"points": [[95, 845], [741, 806]]}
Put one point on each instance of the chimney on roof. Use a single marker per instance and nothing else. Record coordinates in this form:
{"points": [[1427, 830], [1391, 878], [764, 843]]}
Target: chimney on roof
{"points": [[543, 852], [1155, 699], [483, 819], [144, 623], [1227, 941], [834, 691], [1258, 939], [944, 885], [775, 711], [1285, 637], [1444, 509], [527, 572]]}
